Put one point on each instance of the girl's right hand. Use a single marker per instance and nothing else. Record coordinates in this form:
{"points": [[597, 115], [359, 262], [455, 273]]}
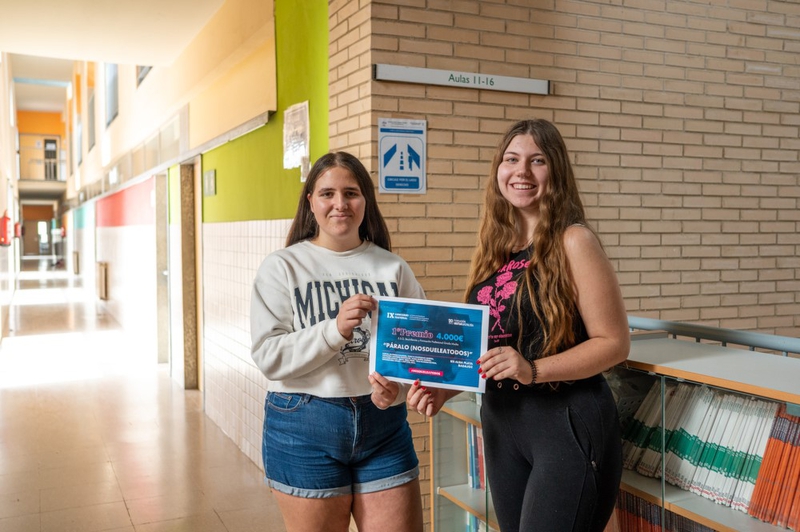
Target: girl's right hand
{"points": [[428, 401], [352, 312]]}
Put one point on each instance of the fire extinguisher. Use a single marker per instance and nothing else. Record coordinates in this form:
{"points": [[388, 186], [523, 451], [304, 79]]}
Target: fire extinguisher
{"points": [[5, 230], [17, 230]]}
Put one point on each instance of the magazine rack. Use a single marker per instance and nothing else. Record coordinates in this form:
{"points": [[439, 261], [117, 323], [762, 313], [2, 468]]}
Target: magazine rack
{"points": [[461, 499], [702, 446]]}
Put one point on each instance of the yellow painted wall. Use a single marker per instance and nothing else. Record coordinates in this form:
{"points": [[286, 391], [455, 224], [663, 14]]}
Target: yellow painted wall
{"points": [[214, 77], [84, 78], [31, 155], [234, 98], [40, 123]]}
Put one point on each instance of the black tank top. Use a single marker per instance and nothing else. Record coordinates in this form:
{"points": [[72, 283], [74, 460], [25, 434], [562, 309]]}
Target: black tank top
{"points": [[499, 292]]}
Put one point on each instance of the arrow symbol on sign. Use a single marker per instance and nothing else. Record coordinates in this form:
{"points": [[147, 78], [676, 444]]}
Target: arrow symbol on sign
{"points": [[389, 154], [413, 157]]}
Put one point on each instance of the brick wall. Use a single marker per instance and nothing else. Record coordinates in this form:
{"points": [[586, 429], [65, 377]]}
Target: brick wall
{"points": [[682, 118]]}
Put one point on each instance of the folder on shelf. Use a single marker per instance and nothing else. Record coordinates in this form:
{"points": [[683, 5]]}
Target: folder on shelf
{"points": [[676, 398], [770, 481], [637, 432], [702, 479], [743, 492], [743, 432], [687, 444]]}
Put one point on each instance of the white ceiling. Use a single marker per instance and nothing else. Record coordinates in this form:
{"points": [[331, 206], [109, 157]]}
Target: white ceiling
{"points": [[45, 36]]}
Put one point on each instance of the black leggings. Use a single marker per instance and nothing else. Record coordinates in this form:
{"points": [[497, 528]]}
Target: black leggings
{"points": [[553, 458]]}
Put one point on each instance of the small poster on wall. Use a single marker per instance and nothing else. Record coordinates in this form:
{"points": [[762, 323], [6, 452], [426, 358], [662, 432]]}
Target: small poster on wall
{"points": [[295, 138], [402, 147]]}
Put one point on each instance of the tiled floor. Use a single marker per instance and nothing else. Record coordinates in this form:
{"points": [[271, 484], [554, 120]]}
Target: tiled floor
{"points": [[92, 438]]}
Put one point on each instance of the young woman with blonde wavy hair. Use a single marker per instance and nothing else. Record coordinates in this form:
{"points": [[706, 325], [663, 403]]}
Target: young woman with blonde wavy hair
{"points": [[557, 321]]}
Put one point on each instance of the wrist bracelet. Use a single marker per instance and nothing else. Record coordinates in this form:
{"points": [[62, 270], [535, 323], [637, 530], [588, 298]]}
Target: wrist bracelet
{"points": [[534, 372]]}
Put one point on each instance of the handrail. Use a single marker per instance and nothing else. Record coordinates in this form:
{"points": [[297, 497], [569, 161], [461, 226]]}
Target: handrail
{"points": [[51, 170], [784, 344]]}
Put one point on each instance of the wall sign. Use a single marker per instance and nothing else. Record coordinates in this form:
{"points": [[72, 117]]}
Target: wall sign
{"points": [[402, 147], [295, 137], [451, 78]]}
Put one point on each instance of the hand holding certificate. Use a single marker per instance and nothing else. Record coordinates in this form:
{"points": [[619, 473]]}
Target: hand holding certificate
{"points": [[435, 342]]}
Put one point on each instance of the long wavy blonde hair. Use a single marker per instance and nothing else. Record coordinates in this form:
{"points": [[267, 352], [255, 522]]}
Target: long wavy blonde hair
{"points": [[547, 282]]}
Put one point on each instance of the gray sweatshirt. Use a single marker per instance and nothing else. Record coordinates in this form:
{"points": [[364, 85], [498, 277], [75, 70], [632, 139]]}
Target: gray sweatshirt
{"points": [[296, 297]]}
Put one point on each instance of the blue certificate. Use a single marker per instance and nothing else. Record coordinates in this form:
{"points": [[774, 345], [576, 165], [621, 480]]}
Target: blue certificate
{"points": [[436, 342]]}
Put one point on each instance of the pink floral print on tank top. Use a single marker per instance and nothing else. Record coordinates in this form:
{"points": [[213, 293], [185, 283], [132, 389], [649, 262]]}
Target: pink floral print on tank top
{"points": [[498, 296]]}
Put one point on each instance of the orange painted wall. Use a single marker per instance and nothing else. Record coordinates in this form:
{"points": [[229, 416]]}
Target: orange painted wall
{"points": [[37, 212], [40, 123]]}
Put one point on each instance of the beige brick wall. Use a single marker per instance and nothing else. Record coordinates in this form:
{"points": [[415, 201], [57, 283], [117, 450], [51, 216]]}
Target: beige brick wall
{"points": [[682, 118]]}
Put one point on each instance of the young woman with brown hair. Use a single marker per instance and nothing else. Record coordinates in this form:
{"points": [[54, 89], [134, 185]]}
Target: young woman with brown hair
{"points": [[550, 424], [336, 441]]}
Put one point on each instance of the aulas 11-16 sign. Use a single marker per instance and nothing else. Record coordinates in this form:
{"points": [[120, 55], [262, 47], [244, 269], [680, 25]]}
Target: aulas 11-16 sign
{"points": [[450, 78]]}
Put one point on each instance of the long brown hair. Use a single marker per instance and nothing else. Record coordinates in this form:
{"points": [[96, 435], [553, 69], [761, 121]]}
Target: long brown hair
{"points": [[547, 280], [372, 228]]}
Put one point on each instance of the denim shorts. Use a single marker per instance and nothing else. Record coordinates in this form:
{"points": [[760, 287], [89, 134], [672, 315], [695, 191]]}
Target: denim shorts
{"points": [[316, 447]]}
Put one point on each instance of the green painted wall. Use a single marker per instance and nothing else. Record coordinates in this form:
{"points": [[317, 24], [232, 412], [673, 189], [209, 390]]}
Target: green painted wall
{"points": [[251, 182]]}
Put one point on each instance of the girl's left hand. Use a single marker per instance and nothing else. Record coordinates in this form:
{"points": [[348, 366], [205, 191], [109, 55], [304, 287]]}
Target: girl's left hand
{"points": [[384, 391], [505, 362]]}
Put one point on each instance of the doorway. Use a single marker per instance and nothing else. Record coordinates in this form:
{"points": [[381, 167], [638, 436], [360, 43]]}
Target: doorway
{"points": [[37, 232], [183, 274]]}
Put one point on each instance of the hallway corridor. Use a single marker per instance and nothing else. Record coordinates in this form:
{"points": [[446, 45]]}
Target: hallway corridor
{"points": [[96, 437]]}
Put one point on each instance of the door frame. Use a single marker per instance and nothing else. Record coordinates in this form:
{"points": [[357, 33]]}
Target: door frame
{"points": [[184, 245]]}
